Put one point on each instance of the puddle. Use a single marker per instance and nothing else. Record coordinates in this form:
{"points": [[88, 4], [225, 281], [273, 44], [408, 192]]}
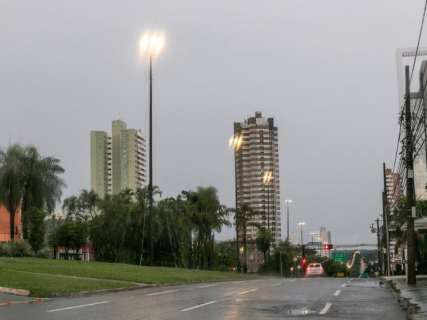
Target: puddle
{"points": [[300, 312], [364, 284], [286, 311]]}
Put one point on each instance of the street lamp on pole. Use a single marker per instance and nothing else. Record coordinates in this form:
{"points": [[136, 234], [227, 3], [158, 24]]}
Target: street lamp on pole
{"points": [[288, 204], [267, 180], [235, 143], [150, 46], [301, 226]]}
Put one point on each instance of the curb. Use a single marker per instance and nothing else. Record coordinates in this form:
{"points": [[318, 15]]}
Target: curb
{"points": [[16, 292], [11, 303]]}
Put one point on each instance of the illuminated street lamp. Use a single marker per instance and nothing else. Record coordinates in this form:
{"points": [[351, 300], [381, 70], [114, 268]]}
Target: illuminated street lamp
{"points": [[150, 46], [288, 204], [235, 142], [267, 178]]}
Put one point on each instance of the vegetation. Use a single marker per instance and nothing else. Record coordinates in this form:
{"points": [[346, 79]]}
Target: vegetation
{"points": [[332, 268], [178, 232], [398, 219], [28, 181], [60, 277], [263, 243], [243, 218]]}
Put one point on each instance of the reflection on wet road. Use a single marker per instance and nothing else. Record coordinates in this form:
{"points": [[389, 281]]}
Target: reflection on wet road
{"points": [[267, 298]]}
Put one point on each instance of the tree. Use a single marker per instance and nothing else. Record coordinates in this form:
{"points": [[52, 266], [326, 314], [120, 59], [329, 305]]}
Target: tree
{"points": [[42, 184], [224, 255], [263, 243], [71, 234], [12, 182], [243, 218], [207, 216], [38, 229]]}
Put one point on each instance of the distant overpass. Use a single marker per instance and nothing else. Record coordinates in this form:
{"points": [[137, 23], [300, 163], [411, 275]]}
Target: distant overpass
{"points": [[358, 246]]}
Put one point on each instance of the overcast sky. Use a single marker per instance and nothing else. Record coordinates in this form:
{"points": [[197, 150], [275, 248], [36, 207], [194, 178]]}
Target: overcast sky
{"points": [[325, 70]]}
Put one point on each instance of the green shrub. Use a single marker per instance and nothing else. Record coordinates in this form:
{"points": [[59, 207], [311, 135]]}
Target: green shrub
{"points": [[18, 248], [45, 252], [332, 267]]}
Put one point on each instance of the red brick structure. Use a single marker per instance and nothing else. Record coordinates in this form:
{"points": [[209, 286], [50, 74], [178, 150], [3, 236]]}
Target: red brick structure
{"points": [[5, 224]]}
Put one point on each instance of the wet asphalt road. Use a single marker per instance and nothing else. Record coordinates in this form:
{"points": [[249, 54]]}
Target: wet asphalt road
{"points": [[270, 298]]}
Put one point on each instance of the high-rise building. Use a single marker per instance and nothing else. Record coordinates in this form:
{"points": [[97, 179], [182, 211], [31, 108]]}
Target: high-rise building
{"points": [[117, 161], [325, 236], [394, 187], [256, 158]]}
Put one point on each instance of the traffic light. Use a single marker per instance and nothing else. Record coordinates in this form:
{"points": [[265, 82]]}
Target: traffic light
{"points": [[327, 246]]}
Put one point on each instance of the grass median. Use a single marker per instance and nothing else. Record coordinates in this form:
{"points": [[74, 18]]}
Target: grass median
{"points": [[46, 277]]}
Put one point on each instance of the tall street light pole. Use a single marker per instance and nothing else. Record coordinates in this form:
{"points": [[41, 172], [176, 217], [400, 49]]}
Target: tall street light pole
{"points": [[235, 143], [288, 204], [301, 225], [267, 180], [150, 46]]}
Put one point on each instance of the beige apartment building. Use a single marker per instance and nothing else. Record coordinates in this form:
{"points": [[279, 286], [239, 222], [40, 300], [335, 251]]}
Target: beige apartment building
{"points": [[256, 157], [117, 161]]}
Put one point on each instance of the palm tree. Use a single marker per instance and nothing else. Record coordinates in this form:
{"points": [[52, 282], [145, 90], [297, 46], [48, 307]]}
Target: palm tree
{"points": [[42, 183], [12, 182], [243, 218], [207, 216], [263, 243]]}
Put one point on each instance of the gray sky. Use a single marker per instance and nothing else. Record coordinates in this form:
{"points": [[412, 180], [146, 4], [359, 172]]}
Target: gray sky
{"points": [[325, 70]]}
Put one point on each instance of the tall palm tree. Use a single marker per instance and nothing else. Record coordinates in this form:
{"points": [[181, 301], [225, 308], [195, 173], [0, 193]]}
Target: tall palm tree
{"points": [[208, 215], [12, 182], [243, 218], [42, 183]]}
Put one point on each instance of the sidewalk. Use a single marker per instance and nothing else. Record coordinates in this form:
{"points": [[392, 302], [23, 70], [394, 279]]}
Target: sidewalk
{"points": [[412, 298]]}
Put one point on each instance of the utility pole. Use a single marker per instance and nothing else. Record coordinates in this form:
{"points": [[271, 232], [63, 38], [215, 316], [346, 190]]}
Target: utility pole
{"points": [[379, 248], [385, 220], [410, 192]]}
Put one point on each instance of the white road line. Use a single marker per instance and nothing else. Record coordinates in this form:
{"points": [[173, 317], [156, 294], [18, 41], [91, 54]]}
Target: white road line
{"points": [[79, 306], [325, 308], [277, 284], [344, 285], [207, 286], [162, 292], [337, 293], [198, 306], [247, 291], [292, 280], [228, 294]]}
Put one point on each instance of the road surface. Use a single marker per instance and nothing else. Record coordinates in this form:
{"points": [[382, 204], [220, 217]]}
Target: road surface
{"points": [[269, 298]]}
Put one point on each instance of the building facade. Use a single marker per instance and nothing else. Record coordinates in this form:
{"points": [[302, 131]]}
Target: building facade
{"points": [[118, 162], [256, 158], [393, 187]]}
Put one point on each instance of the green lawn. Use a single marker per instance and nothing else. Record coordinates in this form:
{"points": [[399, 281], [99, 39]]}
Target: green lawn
{"points": [[45, 277]]}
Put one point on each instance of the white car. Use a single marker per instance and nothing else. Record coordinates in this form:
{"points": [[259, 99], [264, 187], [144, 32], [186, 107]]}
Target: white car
{"points": [[314, 270]]}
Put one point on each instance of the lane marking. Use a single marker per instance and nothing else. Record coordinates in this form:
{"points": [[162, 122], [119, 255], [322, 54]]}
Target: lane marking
{"points": [[277, 284], [292, 280], [247, 291], [162, 292], [325, 308], [198, 306], [344, 285], [79, 306], [337, 293], [228, 294], [207, 286]]}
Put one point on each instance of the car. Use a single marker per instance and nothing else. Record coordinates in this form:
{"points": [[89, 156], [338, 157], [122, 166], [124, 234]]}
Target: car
{"points": [[314, 270]]}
